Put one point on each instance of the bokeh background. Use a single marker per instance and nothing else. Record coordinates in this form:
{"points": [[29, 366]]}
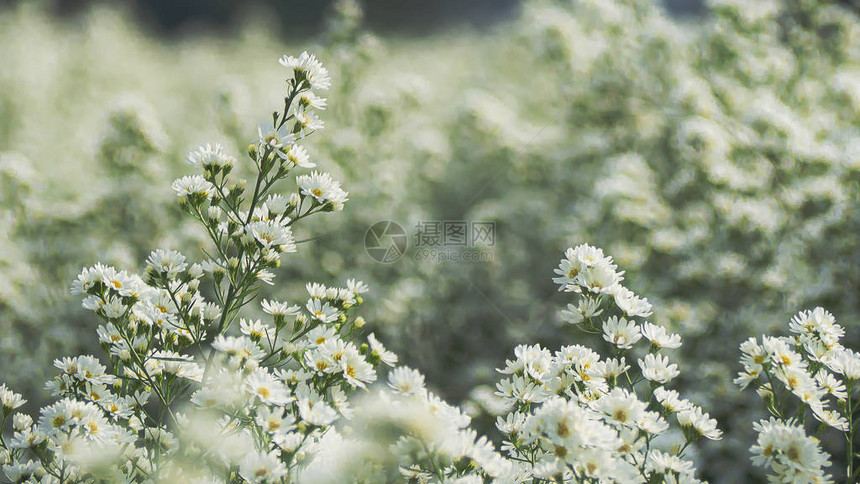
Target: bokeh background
{"points": [[713, 148]]}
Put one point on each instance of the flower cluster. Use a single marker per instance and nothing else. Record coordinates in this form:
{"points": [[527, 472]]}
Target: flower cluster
{"points": [[578, 417], [809, 370], [182, 394]]}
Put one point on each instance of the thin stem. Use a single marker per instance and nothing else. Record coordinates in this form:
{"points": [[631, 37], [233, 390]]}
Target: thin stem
{"points": [[850, 436]]}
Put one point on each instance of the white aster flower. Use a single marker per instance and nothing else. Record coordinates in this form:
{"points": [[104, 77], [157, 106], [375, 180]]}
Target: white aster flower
{"points": [[656, 368], [406, 381], [630, 303], [193, 185], [258, 467], [620, 332], [699, 423], [659, 337], [210, 156], [307, 67]]}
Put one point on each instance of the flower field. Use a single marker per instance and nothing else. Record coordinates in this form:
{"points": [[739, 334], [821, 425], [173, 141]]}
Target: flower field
{"points": [[595, 243]]}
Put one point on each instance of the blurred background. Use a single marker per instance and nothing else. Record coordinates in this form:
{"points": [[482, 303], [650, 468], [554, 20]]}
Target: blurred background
{"points": [[711, 147]]}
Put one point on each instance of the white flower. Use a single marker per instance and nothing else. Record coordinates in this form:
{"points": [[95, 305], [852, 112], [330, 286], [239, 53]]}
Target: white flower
{"points": [[210, 156], [357, 287], [274, 138], [601, 278], [270, 234], [309, 99], [277, 204], [377, 349], [308, 120], [847, 363], [406, 381], [298, 156], [167, 262], [817, 323], [630, 303], [659, 337], [831, 418], [612, 368], [307, 67], [620, 332], [321, 187], [699, 422], [269, 390], [312, 408], [323, 312], [193, 185], [242, 347], [273, 420], [829, 383], [656, 368], [276, 308], [671, 400], [9, 399], [356, 370], [586, 309], [258, 467], [667, 463], [620, 406], [793, 456]]}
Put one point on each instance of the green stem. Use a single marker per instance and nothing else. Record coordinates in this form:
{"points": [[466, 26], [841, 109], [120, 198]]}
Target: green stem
{"points": [[850, 436]]}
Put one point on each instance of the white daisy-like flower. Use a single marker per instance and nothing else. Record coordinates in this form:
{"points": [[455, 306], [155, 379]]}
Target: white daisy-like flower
{"points": [[193, 185], [321, 311], [630, 303], [817, 323], [274, 138], [308, 120], [612, 368], [312, 407], [273, 420], [310, 99], [620, 332], [357, 287], [377, 349], [210, 156], [356, 370], [277, 204], [664, 463], [298, 156], [167, 262], [259, 467], [9, 399], [406, 381], [671, 400], [276, 308], [270, 234], [242, 347], [307, 67], [832, 385], [659, 337], [831, 418], [269, 390], [586, 308], [267, 277], [620, 406], [699, 422], [601, 278], [656, 368]]}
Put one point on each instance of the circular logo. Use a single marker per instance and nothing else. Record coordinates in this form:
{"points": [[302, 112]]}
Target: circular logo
{"points": [[385, 241]]}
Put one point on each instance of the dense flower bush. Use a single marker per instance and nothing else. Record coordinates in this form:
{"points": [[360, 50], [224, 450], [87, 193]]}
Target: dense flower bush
{"points": [[715, 158]]}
